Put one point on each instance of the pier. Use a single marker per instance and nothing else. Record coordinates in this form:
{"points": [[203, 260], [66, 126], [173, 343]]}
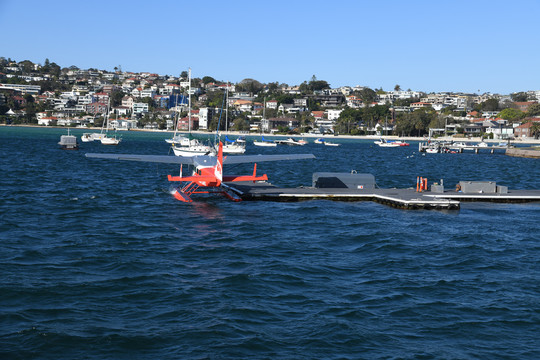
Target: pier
{"points": [[361, 187], [444, 147]]}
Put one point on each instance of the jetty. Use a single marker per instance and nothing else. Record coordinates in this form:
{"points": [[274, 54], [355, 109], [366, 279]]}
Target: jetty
{"points": [[528, 153], [362, 187], [460, 147]]}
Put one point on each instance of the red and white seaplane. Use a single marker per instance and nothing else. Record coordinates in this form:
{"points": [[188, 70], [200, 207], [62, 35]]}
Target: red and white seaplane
{"points": [[207, 176]]}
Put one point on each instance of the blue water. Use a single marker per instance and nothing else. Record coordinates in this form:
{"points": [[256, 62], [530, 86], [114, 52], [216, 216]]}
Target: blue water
{"points": [[98, 261]]}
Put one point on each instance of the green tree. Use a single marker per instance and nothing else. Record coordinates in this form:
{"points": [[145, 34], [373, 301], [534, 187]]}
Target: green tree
{"points": [[511, 114], [397, 88], [250, 85], [348, 120], [215, 99], [367, 95], [490, 105], [272, 87], [208, 79], [535, 129], [534, 110], [285, 99], [240, 124], [317, 85], [116, 97], [416, 123], [519, 96], [27, 66]]}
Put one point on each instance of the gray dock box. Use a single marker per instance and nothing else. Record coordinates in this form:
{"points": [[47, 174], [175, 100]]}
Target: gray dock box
{"points": [[483, 187], [330, 180], [437, 188]]}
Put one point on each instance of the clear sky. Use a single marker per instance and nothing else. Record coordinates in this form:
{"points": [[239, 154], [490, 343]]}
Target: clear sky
{"points": [[472, 46]]}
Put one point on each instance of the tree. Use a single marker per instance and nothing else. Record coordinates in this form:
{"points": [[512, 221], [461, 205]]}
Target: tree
{"points": [[116, 97], [208, 79], [250, 85], [416, 123], [519, 96], [214, 99], [511, 114], [27, 66], [534, 110], [490, 105], [348, 120], [55, 69], [317, 85], [285, 99], [397, 88], [240, 124], [535, 129], [272, 87], [367, 95]]}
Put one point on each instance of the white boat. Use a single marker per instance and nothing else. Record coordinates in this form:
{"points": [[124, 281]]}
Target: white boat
{"points": [[178, 139], [87, 137], [384, 143], [237, 146], [264, 143], [319, 141], [326, 143], [482, 144], [234, 149], [290, 141], [104, 136], [106, 140], [97, 136], [195, 148]]}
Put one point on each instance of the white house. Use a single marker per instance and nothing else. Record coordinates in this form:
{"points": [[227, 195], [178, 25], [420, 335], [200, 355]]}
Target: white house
{"points": [[139, 108], [121, 110], [272, 104], [205, 115], [148, 93], [333, 115]]}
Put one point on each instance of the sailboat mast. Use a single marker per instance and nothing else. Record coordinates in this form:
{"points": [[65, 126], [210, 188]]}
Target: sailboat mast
{"points": [[189, 97], [227, 109], [264, 112]]}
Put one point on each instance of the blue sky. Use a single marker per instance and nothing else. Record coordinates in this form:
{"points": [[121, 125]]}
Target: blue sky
{"points": [[470, 46]]}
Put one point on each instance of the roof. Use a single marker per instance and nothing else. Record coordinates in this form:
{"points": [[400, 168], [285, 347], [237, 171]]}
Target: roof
{"points": [[242, 102]]}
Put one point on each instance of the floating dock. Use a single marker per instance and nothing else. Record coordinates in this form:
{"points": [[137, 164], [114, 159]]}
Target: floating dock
{"points": [[442, 147], [361, 187]]}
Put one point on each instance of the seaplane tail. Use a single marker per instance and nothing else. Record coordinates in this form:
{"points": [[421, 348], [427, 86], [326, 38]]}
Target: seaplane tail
{"points": [[219, 166]]}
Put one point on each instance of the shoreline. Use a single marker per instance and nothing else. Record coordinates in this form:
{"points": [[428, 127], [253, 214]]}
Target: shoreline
{"points": [[346, 137]]}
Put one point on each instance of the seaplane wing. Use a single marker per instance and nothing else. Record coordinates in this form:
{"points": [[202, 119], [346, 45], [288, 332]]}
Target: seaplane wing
{"points": [[240, 159], [207, 176], [201, 159], [166, 159]]}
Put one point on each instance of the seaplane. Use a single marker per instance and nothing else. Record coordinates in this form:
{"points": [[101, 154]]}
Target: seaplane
{"points": [[207, 176]]}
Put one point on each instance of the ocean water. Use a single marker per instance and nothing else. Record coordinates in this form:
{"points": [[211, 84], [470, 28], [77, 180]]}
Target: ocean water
{"points": [[99, 261]]}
